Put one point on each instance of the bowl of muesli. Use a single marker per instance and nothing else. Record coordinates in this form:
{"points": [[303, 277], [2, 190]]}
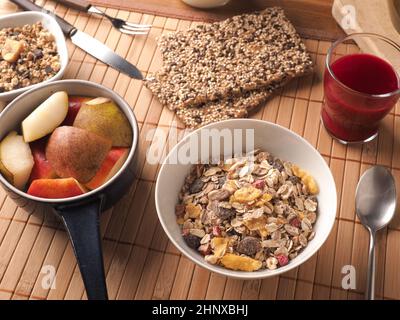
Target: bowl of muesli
{"points": [[33, 51], [246, 198]]}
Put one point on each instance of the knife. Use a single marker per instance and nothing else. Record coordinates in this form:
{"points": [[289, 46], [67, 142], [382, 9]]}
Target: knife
{"points": [[87, 42]]}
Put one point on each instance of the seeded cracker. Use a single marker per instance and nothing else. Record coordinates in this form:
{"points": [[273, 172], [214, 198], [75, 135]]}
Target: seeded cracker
{"points": [[228, 108], [227, 59]]}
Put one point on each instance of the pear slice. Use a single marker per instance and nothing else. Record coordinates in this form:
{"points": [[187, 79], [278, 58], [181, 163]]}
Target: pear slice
{"points": [[16, 161], [103, 117], [45, 118], [77, 153]]}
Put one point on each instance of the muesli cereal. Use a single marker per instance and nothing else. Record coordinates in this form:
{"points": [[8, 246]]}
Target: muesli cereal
{"points": [[248, 213], [28, 55]]}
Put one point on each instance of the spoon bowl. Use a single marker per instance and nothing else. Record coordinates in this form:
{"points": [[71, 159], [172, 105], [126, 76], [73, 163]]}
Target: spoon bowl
{"points": [[376, 206], [376, 198]]}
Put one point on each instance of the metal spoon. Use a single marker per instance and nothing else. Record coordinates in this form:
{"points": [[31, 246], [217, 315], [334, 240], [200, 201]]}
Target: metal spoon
{"points": [[375, 205]]}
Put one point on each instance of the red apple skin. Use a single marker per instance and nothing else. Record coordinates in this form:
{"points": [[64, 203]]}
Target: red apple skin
{"points": [[42, 168], [55, 188], [74, 104], [112, 163]]}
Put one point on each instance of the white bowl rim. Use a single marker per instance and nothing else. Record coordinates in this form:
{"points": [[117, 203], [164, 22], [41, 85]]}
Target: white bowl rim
{"points": [[244, 275], [7, 95]]}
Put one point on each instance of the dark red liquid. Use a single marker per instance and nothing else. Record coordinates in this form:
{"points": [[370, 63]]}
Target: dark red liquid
{"points": [[355, 115]]}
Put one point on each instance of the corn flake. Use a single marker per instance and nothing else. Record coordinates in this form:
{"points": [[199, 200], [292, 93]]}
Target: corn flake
{"points": [[246, 194], [193, 210], [235, 262], [306, 178]]}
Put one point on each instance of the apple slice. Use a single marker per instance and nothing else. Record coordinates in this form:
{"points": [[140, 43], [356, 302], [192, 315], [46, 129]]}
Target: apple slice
{"points": [[76, 153], [74, 104], [45, 118], [56, 188], [112, 163], [42, 168], [16, 161], [103, 117]]}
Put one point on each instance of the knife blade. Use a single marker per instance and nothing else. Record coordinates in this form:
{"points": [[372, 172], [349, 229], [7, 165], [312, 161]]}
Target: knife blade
{"points": [[87, 43]]}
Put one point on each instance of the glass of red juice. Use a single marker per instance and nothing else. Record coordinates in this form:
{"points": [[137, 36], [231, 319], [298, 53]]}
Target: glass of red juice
{"points": [[360, 87]]}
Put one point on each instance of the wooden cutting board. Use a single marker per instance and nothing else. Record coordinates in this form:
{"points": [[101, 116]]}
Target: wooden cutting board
{"points": [[374, 16], [312, 18]]}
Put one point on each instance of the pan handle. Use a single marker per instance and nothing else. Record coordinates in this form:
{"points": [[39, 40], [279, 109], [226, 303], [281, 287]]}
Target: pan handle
{"points": [[82, 224]]}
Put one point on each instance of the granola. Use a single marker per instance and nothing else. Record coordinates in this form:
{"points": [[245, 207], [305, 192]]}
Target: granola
{"points": [[28, 56], [225, 59], [248, 213]]}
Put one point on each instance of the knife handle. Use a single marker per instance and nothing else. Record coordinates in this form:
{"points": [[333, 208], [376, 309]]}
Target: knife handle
{"points": [[66, 27], [81, 5]]}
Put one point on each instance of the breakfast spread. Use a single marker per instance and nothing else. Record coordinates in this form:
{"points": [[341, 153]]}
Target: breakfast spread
{"points": [[229, 67], [67, 146], [28, 55], [248, 213]]}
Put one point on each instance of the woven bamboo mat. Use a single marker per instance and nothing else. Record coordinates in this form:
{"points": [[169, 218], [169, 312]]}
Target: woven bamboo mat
{"points": [[140, 261]]}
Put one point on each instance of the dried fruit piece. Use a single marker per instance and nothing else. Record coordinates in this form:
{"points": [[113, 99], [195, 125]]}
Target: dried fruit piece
{"points": [[226, 214], [192, 241], [259, 184], [249, 246], [295, 222], [196, 186], [235, 262], [11, 50], [180, 210], [282, 260], [193, 211]]}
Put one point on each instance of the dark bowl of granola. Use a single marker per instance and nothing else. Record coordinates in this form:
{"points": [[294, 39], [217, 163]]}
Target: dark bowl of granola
{"points": [[246, 198], [33, 51]]}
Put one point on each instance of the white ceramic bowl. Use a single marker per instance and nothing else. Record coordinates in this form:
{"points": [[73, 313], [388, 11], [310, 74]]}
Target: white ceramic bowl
{"points": [[30, 17], [270, 137], [206, 4]]}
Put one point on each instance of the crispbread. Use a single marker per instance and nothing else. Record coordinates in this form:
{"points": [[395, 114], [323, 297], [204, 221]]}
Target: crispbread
{"points": [[223, 109], [228, 58]]}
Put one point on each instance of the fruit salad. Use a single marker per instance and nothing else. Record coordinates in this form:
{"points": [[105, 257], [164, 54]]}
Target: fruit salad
{"points": [[66, 147]]}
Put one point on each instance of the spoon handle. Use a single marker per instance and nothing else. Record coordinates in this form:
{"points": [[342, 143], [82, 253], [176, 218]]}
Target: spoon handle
{"points": [[370, 293]]}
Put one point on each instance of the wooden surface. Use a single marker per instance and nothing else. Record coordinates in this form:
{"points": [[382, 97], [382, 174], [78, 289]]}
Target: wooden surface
{"points": [[140, 262], [312, 18]]}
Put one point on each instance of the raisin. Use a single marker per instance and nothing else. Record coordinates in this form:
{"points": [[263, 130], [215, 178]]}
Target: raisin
{"points": [[48, 69], [37, 54], [192, 241], [295, 180], [196, 186], [248, 246], [180, 210], [221, 181], [226, 214], [277, 164], [233, 232]]}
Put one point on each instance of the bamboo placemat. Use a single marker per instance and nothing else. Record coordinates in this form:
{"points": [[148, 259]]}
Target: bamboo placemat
{"points": [[140, 261]]}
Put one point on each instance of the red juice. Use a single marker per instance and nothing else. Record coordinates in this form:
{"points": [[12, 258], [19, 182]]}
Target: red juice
{"points": [[352, 108]]}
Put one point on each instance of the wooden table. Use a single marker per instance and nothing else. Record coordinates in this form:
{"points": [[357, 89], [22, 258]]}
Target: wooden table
{"points": [[140, 261]]}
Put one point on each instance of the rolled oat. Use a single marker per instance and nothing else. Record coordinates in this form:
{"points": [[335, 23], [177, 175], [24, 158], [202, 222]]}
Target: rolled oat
{"points": [[253, 225]]}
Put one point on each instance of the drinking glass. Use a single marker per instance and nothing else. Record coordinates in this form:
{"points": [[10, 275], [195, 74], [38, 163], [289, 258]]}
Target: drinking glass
{"points": [[361, 86]]}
